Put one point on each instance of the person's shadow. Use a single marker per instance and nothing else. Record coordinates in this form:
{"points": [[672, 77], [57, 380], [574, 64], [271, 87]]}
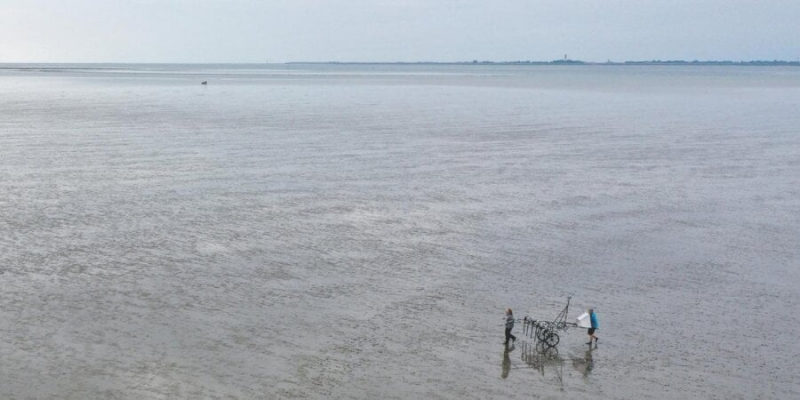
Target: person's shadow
{"points": [[589, 363], [507, 360], [585, 365]]}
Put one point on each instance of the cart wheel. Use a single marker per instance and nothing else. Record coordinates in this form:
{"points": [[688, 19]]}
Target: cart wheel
{"points": [[552, 340], [543, 332]]}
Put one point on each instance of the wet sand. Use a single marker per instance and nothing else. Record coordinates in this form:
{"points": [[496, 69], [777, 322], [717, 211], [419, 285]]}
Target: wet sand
{"points": [[358, 235]]}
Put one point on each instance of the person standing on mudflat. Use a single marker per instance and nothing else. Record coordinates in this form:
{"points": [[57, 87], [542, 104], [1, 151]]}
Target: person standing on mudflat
{"points": [[509, 326], [595, 326]]}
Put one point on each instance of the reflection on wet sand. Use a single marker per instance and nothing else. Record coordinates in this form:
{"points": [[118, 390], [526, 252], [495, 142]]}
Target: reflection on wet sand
{"points": [[540, 357], [507, 360], [584, 365], [543, 358]]}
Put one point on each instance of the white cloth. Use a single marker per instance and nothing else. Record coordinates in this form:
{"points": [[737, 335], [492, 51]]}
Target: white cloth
{"points": [[585, 321]]}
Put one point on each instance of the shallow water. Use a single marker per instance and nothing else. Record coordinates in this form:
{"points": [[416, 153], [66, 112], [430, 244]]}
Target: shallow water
{"points": [[357, 231]]}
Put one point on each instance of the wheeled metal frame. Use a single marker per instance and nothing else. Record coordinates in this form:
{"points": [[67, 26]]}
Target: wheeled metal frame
{"points": [[546, 332]]}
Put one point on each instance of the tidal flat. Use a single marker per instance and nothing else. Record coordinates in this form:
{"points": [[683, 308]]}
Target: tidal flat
{"points": [[356, 231]]}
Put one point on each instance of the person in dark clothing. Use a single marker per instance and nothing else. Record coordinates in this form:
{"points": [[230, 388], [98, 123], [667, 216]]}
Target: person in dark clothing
{"points": [[595, 326], [509, 326]]}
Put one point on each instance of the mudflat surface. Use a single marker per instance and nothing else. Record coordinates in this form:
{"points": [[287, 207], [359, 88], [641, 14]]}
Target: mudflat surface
{"points": [[356, 232]]}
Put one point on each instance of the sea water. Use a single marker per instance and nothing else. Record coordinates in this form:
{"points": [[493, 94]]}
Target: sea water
{"points": [[358, 230]]}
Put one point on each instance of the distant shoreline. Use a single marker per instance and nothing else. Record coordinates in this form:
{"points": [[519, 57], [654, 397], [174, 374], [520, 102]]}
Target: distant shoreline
{"points": [[567, 62], [564, 62]]}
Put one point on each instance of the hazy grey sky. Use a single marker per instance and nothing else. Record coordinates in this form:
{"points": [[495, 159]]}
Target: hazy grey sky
{"points": [[395, 30]]}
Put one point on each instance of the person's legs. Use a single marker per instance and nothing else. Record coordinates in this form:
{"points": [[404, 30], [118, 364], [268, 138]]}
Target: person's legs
{"points": [[591, 335], [508, 335]]}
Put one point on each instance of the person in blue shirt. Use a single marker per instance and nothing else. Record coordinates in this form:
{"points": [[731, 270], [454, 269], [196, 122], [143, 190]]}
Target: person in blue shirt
{"points": [[595, 326]]}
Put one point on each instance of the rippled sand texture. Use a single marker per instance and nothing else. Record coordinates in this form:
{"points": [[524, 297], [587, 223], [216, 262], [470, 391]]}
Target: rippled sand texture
{"points": [[341, 231]]}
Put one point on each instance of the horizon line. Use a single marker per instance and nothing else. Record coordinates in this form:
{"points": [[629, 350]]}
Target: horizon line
{"points": [[472, 62]]}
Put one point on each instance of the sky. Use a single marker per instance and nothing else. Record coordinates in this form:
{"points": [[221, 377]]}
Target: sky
{"points": [[257, 31]]}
